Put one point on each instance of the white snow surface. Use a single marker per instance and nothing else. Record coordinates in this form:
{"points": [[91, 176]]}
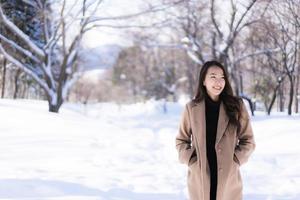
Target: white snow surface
{"points": [[107, 151]]}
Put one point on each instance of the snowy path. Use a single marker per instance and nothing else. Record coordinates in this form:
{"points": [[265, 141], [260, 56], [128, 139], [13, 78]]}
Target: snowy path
{"points": [[108, 152]]}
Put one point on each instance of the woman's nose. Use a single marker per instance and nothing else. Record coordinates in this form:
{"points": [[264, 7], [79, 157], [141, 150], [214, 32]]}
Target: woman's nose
{"points": [[219, 81]]}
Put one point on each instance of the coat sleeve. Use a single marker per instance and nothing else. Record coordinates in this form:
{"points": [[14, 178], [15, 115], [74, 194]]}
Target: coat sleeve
{"points": [[246, 143], [183, 138]]}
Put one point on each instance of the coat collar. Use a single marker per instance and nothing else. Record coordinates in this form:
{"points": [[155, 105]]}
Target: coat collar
{"points": [[222, 123], [199, 109]]}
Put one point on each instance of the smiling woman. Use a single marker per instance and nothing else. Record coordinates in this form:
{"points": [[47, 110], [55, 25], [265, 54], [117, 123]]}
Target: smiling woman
{"points": [[215, 137]]}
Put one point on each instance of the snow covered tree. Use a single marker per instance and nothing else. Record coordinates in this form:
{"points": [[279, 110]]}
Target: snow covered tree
{"points": [[48, 54], [22, 15]]}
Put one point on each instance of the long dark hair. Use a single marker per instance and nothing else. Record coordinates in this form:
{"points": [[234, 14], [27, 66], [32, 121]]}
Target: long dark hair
{"points": [[232, 103]]}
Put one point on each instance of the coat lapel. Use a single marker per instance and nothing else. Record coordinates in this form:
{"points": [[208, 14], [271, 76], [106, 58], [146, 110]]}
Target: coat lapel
{"points": [[222, 123], [199, 120]]}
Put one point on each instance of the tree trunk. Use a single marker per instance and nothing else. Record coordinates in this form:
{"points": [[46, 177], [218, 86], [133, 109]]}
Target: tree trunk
{"points": [[54, 108], [297, 93], [281, 98], [3, 77], [241, 83], [191, 78], [273, 99], [16, 81], [291, 96], [236, 84]]}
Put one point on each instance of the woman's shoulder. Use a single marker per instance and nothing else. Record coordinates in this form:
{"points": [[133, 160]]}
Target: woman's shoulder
{"points": [[192, 103]]}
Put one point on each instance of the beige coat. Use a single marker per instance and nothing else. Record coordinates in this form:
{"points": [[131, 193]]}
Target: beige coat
{"points": [[233, 149]]}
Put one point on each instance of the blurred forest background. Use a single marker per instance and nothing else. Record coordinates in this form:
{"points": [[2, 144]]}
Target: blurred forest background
{"points": [[43, 56]]}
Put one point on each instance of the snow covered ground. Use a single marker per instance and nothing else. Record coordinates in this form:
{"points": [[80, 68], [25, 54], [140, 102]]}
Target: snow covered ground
{"points": [[112, 152]]}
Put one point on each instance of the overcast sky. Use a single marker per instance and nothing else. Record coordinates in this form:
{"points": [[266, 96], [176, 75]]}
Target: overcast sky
{"points": [[102, 36]]}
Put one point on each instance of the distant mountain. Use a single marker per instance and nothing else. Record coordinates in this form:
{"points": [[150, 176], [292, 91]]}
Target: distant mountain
{"points": [[101, 57]]}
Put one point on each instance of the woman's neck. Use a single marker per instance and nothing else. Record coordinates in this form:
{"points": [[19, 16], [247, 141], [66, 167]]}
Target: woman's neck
{"points": [[213, 99]]}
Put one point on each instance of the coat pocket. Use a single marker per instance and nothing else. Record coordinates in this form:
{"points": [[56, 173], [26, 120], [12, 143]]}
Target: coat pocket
{"points": [[193, 157], [193, 160], [236, 160]]}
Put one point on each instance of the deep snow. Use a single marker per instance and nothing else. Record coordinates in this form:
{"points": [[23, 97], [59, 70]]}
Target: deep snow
{"points": [[126, 152]]}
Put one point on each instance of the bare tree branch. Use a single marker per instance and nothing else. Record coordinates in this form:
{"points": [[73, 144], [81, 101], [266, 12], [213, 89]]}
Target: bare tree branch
{"points": [[212, 14], [134, 15], [19, 48]]}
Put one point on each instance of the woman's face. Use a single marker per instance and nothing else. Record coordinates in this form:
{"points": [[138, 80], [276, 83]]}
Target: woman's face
{"points": [[214, 82]]}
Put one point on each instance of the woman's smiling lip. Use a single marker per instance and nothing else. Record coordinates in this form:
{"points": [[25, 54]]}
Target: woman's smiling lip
{"points": [[217, 88]]}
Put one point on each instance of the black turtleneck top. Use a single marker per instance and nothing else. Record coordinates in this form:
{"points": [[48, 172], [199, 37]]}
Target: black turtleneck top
{"points": [[212, 115]]}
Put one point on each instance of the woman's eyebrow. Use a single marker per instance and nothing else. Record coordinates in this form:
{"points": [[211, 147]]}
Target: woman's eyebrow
{"points": [[212, 73]]}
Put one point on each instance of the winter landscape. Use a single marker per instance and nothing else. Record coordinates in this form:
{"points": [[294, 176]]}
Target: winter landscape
{"points": [[92, 92]]}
